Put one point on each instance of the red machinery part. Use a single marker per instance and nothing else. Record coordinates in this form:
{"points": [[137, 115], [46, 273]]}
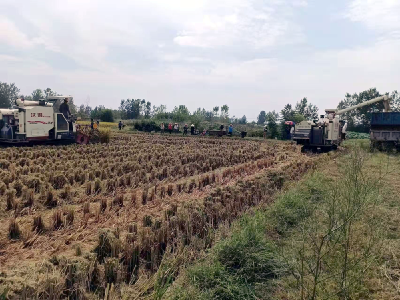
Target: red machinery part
{"points": [[82, 139]]}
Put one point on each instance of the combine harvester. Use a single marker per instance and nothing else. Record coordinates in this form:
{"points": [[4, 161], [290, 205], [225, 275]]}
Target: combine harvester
{"points": [[326, 134], [35, 122]]}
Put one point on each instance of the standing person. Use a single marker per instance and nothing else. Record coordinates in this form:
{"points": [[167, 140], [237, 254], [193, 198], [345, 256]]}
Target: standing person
{"points": [[170, 128], [176, 128], [120, 125], [162, 128], [192, 129], [185, 129], [98, 123], [230, 130], [64, 109], [221, 127], [265, 131], [287, 130], [291, 132], [344, 130], [91, 123]]}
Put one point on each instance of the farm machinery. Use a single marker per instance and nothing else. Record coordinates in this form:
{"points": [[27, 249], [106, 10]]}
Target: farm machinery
{"points": [[29, 122], [325, 134]]}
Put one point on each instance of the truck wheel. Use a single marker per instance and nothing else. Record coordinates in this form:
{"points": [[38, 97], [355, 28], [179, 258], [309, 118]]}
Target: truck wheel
{"points": [[388, 146], [305, 149], [376, 146]]}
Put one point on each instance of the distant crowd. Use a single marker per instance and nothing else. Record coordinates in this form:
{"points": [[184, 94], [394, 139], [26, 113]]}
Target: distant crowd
{"points": [[174, 128]]}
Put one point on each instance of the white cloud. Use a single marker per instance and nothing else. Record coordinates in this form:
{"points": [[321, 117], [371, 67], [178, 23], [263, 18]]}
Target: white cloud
{"points": [[255, 24], [300, 3], [11, 35], [9, 58], [380, 15]]}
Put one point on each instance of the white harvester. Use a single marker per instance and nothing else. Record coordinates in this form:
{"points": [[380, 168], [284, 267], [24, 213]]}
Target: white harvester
{"points": [[326, 134], [36, 121]]}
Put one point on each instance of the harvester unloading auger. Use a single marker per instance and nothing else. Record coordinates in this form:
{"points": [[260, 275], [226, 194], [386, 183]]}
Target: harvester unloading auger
{"points": [[325, 134], [29, 122]]}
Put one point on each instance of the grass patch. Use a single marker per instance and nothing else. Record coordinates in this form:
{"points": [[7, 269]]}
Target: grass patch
{"points": [[298, 203], [235, 266], [246, 264]]}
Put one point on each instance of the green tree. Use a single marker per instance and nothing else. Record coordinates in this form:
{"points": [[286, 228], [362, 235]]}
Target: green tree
{"points": [[180, 113], [130, 108], [143, 107], [215, 111], [287, 113], [49, 92], [360, 119], [272, 123], [96, 112], [8, 92], [147, 111], [224, 111], [242, 120], [106, 115], [160, 112], [37, 95], [84, 111], [261, 117], [307, 110]]}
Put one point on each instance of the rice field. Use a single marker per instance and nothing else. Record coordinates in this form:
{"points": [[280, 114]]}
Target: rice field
{"points": [[80, 219]]}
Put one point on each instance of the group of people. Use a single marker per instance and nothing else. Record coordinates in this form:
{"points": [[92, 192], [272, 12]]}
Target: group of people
{"points": [[175, 128]]}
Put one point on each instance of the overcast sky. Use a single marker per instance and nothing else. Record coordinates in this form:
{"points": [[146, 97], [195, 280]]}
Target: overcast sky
{"points": [[249, 54]]}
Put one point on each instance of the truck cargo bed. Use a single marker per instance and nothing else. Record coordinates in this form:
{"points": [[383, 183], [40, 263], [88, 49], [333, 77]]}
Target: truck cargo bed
{"points": [[385, 119]]}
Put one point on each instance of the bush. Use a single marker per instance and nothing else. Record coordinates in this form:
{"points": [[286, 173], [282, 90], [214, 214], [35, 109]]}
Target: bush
{"points": [[255, 133], [214, 282], [238, 265], [248, 254], [106, 115], [147, 125], [296, 204], [104, 136], [357, 135]]}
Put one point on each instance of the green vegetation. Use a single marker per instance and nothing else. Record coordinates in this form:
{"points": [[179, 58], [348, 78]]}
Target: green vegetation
{"points": [[323, 238], [106, 115], [8, 92], [357, 135]]}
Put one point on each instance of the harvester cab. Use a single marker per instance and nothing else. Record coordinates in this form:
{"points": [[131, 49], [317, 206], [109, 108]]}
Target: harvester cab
{"points": [[36, 121]]}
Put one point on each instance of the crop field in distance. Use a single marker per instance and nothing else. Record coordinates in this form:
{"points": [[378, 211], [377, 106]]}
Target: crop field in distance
{"points": [[78, 218]]}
